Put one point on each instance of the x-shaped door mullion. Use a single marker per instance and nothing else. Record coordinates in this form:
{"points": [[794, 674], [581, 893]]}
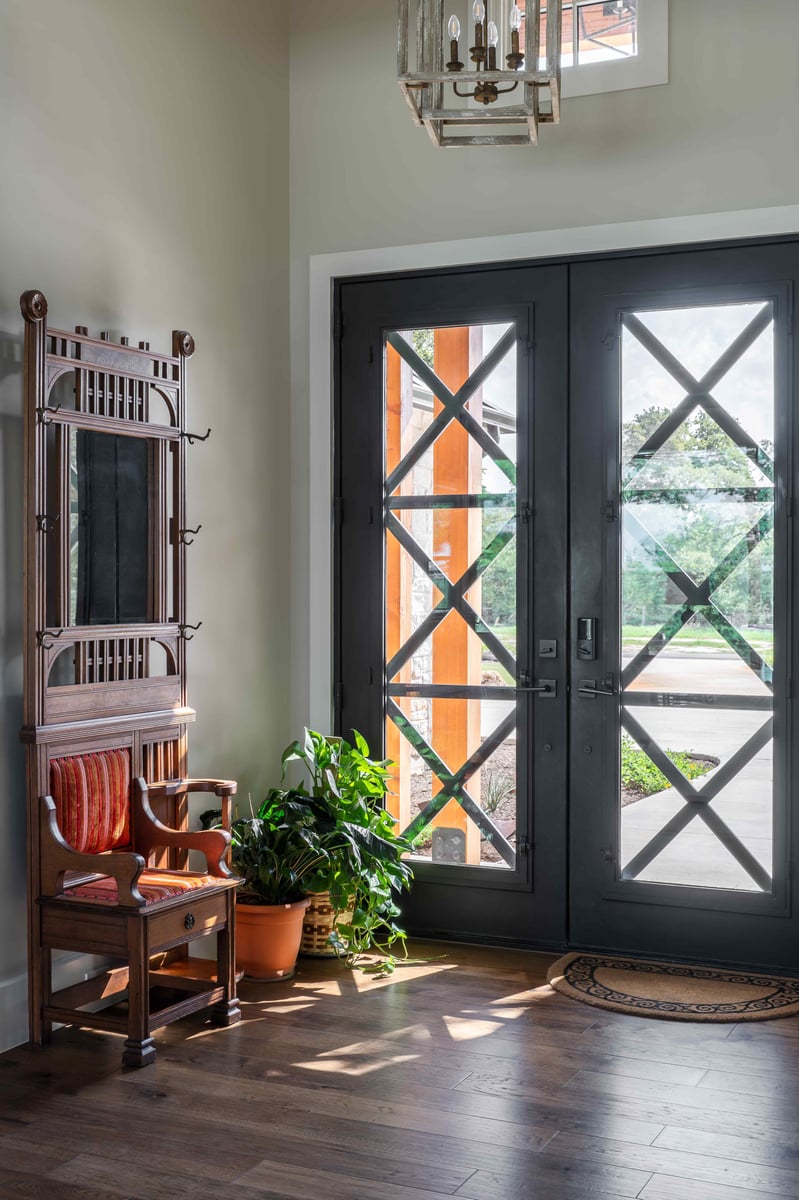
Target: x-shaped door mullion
{"points": [[454, 408], [661, 760], [698, 598], [698, 391], [454, 596], [697, 803], [452, 783]]}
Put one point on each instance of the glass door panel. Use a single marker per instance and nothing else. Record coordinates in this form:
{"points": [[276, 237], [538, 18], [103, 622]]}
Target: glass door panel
{"points": [[697, 596], [450, 595]]}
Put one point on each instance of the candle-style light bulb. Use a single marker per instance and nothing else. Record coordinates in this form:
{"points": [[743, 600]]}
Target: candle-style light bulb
{"points": [[479, 11], [515, 59], [454, 30], [493, 34]]}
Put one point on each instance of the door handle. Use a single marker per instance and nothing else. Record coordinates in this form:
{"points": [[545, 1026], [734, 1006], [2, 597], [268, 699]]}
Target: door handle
{"points": [[547, 689], [590, 687]]}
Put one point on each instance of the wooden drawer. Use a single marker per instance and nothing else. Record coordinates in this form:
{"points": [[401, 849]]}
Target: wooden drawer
{"points": [[192, 918]]}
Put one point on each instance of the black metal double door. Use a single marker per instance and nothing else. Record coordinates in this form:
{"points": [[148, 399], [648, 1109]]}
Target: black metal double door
{"points": [[562, 594]]}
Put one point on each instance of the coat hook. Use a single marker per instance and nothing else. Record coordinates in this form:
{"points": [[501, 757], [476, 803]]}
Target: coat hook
{"points": [[189, 541], [196, 437], [46, 524], [187, 636], [42, 634], [42, 414]]}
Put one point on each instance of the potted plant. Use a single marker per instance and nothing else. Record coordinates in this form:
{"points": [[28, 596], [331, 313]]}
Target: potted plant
{"points": [[336, 841], [275, 852], [356, 884]]}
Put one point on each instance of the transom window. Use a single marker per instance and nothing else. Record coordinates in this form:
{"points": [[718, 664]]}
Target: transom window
{"points": [[613, 45]]}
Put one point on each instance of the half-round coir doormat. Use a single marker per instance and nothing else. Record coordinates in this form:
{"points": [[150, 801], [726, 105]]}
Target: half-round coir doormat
{"points": [[673, 991]]}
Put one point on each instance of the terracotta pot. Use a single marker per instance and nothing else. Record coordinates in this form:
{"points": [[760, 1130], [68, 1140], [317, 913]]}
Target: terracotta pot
{"points": [[268, 939]]}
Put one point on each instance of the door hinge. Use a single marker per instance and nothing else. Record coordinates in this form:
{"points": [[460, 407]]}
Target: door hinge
{"points": [[608, 854], [609, 511], [524, 846], [338, 510], [525, 513], [371, 355], [338, 697]]}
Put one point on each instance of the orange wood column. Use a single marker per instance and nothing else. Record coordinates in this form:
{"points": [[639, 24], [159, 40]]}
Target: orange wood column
{"points": [[399, 436], [457, 468]]}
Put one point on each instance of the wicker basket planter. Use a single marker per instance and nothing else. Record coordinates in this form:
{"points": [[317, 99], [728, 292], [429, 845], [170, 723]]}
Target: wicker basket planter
{"points": [[317, 926]]}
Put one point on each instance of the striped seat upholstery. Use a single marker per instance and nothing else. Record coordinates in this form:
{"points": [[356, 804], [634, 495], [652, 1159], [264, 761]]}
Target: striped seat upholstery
{"points": [[153, 885], [92, 798]]}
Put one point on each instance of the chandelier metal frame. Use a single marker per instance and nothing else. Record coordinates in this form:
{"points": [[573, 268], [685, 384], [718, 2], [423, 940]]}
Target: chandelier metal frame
{"points": [[433, 82]]}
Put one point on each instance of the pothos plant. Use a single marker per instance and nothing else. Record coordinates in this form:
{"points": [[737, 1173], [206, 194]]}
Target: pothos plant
{"points": [[363, 869]]}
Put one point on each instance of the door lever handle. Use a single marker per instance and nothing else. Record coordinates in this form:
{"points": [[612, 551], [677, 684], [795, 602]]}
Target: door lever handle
{"points": [[590, 687], [546, 688]]}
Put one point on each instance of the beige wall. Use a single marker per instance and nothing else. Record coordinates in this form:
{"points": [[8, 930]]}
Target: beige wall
{"points": [[721, 136], [143, 161]]}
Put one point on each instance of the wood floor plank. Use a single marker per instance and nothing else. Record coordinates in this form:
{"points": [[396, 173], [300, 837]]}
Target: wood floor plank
{"points": [[733, 1146], [133, 1179], [665, 1187], [276, 1181], [465, 1076], [702, 1167], [564, 1180], [720, 1101]]}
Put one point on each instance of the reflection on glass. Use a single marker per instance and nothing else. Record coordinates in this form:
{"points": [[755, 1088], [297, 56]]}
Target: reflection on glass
{"points": [[451, 616], [603, 31], [697, 621], [109, 568]]}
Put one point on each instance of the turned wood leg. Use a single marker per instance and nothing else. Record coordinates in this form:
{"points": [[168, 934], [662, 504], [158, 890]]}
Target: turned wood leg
{"points": [[227, 1011], [139, 1047]]}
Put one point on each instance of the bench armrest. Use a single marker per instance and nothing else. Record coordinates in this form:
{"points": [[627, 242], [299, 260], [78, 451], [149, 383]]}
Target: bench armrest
{"points": [[57, 857], [150, 834], [176, 787]]}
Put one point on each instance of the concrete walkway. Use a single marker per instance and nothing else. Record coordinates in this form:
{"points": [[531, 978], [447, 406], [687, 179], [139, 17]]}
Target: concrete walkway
{"points": [[696, 857]]}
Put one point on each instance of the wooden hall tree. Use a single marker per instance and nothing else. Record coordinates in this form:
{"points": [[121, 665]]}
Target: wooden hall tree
{"points": [[105, 707]]}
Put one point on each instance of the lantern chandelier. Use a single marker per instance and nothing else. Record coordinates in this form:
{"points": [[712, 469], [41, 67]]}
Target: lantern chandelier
{"points": [[461, 103]]}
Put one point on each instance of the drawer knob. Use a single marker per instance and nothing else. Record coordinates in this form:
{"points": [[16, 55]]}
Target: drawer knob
{"points": [[189, 921]]}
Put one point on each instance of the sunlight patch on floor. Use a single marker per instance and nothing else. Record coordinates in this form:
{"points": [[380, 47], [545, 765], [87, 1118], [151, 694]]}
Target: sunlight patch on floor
{"points": [[404, 973], [343, 1066], [466, 1029]]}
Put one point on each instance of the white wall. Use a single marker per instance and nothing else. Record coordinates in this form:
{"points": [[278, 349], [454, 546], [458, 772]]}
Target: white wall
{"points": [[143, 166], [719, 137]]}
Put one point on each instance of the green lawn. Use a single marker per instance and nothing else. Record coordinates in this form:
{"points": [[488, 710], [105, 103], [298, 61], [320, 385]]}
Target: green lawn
{"points": [[702, 638], [635, 636]]}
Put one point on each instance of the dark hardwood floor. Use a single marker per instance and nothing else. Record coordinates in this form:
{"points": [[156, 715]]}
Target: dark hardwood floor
{"points": [[463, 1075]]}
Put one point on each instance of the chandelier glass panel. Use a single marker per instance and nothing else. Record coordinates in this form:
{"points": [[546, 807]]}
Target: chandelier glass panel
{"points": [[481, 72]]}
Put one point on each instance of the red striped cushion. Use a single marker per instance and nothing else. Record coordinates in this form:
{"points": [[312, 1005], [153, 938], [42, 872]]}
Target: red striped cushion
{"points": [[92, 799], [153, 885]]}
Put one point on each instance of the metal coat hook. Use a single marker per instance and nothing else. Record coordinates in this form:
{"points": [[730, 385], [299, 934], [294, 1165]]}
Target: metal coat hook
{"points": [[188, 541], [187, 636], [43, 413], [196, 437], [46, 524], [41, 634]]}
